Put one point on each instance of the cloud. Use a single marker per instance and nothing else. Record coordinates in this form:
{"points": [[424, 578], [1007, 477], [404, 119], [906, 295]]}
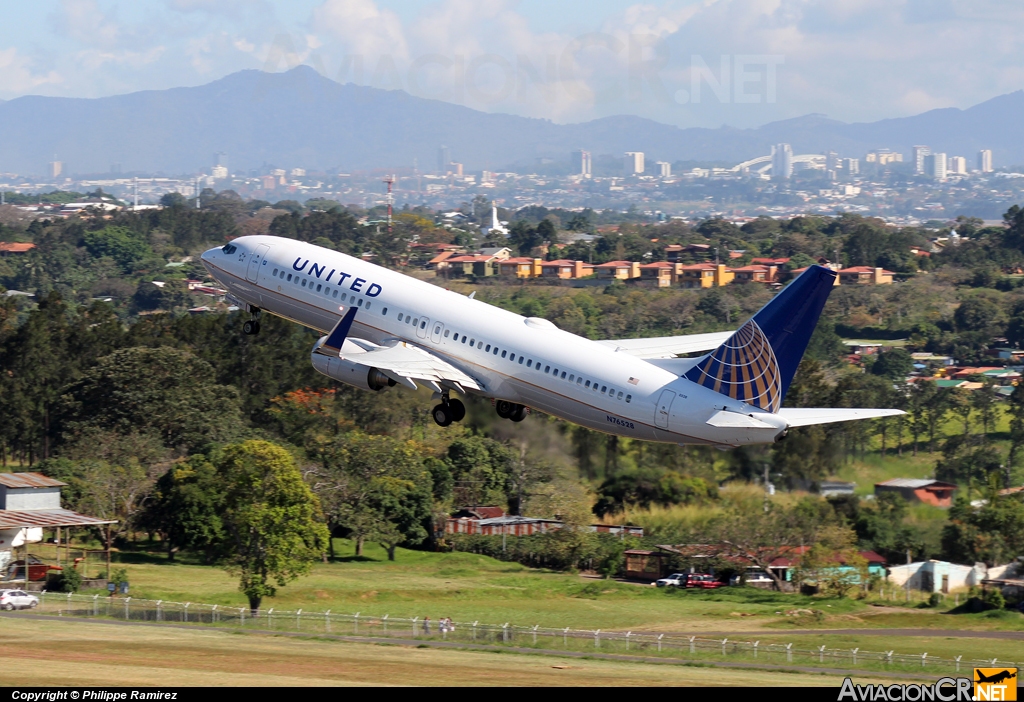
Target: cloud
{"points": [[17, 75]]}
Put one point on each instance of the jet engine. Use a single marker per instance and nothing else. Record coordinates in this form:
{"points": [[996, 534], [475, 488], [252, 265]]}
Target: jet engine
{"points": [[350, 372]]}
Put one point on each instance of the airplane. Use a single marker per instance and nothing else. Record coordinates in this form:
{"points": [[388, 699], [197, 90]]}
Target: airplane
{"points": [[383, 329]]}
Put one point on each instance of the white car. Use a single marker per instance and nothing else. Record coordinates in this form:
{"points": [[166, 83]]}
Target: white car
{"points": [[674, 580], [17, 599]]}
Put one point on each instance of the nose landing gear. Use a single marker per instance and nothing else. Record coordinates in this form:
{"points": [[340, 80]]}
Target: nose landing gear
{"points": [[448, 411], [252, 327]]}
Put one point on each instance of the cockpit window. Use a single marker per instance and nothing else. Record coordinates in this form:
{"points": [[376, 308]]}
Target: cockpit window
{"points": [[229, 248]]}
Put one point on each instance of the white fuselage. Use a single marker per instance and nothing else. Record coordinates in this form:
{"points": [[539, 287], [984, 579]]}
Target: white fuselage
{"points": [[553, 371]]}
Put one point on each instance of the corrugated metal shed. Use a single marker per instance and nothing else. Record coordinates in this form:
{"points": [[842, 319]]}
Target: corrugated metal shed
{"points": [[47, 518], [912, 483], [28, 480]]}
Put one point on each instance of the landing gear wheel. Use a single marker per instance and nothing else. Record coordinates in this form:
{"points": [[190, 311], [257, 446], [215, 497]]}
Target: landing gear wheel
{"points": [[518, 414], [504, 408], [251, 328], [458, 410], [257, 327], [442, 415]]}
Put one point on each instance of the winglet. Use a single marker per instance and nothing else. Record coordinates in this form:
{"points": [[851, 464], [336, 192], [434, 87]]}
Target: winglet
{"points": [[334, 341]]}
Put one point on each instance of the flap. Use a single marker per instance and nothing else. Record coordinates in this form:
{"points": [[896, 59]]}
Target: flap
{"points": [[726, 419], [668, 346]]}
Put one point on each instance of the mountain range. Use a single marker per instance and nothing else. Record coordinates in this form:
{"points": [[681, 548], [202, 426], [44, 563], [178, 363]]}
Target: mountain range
{"points": [[301, 119]]}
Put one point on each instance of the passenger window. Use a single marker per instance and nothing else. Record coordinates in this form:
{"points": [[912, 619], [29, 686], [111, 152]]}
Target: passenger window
{"points": [[511, 356], [603, 389], [488, 348], [563, 375], [628, 398], [335, 294], [464, 338], [303, 282], [547, 369], [367, 305], [521, 359], [455, 337], [620, 395], [343, 296], [384, 312], [503, 354], [327, 292], [318, 287], [446, 332], [360, 302], [274, 273], [588, 384], [423, 324], [399, 316], [495, 350], [472, 342], [571, 378], [289, 277], [529, 363]]}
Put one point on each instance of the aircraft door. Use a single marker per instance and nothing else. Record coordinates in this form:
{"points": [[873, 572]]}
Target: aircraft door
{"points": [[435, 334], [255, 261], [423, 329], [661, 414]]}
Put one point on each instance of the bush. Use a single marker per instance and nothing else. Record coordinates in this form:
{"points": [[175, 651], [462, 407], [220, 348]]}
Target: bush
{"points": [[67, 580], [993, 599], [934, 600]]}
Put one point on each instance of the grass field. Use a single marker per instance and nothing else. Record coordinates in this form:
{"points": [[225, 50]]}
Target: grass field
{"points": [[42, 653]]}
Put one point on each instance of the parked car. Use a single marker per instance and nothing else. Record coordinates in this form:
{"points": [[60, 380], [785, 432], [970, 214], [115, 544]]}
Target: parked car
{"points": [[17, 599], [703, 581], [753, 577], [674, 580]]}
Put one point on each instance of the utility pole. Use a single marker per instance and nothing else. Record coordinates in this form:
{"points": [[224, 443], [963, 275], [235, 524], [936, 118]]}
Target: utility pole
{"points": [[390, 198], [766, 488]]}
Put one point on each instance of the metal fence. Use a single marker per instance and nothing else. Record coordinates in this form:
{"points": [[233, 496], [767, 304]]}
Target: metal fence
{"points": [[507, 634]]}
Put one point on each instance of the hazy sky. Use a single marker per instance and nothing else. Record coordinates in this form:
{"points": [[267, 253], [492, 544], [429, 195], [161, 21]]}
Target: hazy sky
{"points": [[690, 63]]}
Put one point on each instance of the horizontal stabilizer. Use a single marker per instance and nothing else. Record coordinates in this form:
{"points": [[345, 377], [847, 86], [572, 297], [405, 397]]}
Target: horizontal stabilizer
{"points": [[806, 416], [736, 420]]}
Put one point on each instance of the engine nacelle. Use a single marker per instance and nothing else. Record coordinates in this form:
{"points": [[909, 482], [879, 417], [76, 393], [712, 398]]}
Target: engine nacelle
{"points": [[351, 373]]}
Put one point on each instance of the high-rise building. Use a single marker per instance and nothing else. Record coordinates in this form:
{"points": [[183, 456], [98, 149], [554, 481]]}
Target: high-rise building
{"points": [[634, 162], [919, 152], [985, 160], [782, 161], [581, 163], [851, 166], [956, 165], [56, 168], [455, 168], [220, 159], [219, 172], [444, 157], [664, 169], [831, 161], [935, 166]]}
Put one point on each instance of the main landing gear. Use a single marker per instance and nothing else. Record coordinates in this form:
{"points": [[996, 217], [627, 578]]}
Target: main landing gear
{"points": [[252, 327], [448, 411], [510, 410]]}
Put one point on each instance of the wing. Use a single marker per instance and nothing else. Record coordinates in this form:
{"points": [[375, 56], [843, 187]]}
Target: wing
{"points": [[668, 346], [405, 363], [803, 417]]}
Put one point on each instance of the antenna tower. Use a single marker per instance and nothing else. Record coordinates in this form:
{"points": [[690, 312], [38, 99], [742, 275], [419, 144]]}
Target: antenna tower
{"points": [[390, 199]]}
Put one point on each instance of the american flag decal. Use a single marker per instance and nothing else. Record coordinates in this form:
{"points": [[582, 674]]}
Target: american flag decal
{"points": [[633, 381]]}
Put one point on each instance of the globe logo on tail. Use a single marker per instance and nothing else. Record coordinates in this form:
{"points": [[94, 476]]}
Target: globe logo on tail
{"points": [[743, 368]]}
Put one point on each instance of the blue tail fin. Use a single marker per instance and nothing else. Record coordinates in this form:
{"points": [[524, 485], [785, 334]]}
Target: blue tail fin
{"points": [[757, 363]]}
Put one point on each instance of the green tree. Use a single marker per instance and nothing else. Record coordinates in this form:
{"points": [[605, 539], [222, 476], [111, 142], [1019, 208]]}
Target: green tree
{"points": [[273, 524], [122, 244], [185, 508], [895, 364], [163, 390]]}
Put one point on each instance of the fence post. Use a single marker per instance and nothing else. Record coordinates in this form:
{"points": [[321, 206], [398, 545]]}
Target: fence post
{"points": [[95, 605], [855, 655], [474, 629], [821, 654], [355, 624], [414, 625], [789, 653], [958, 662], [755, 647], [241, 616], [385, 622], [628, 634], [888, 657], [597, 639], [298, 619], [692, 639], [660, 636], [535, 633], [185, 612], [327, 621], [159, 609], [504, 632], [565, 637], [270, 617], [924, 659]]}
